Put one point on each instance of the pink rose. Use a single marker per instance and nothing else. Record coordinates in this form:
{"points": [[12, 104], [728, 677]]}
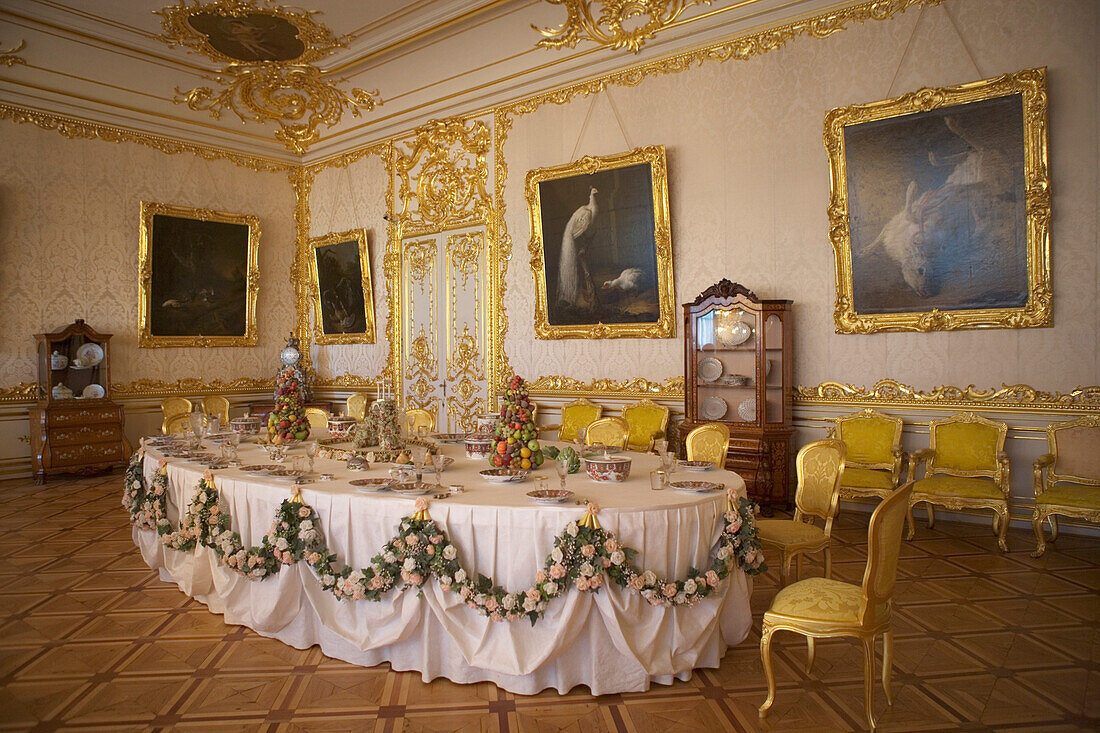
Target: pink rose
{"points": [[416, 579], [445, 587], [611, 545], [411, 539], [593, 508], [376, 582], [581, 583], [491, 604], [712, 578], [421, 504], [750, 557], [464, 591], [532, 594], [399, 544], [588, 550], [208, 476], [557, 570], [430, 550], [496, 617], [436, 539], [605, 561], [636, 583], [540, 577], [669, 590]]}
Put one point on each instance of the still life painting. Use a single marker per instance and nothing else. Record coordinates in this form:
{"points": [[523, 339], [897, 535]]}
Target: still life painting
{"points": [[601, 250], [940, 208], [199, 277], [343, 305]]}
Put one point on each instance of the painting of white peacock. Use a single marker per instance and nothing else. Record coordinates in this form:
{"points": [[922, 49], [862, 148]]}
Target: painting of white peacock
{"points": [[601, 247]]}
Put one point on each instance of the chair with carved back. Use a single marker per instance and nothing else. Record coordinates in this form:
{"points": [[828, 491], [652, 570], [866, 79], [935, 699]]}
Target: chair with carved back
{"points": [[176, 424], [646, 419], [709, 442], [873, 457], [966, 467], [172, 408], [609, 431], [1071, 485], [822, 607], [357, 406], [317, 417], [819, 466], [419, 421], [577, 415], [216, 406]]}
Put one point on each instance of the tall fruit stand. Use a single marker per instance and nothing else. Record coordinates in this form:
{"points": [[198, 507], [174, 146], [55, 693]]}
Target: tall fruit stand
{"points": [[739, 372]]}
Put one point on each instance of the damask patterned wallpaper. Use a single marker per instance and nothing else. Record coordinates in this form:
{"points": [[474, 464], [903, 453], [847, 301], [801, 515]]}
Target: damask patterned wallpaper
{"points": [[69, 227], [749, 187], [343, 199]]}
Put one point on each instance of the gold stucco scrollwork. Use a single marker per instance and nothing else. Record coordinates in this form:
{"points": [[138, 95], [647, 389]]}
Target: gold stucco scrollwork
{"points": [[22, 392], [267, 83], [672, 387], [1008, 396], [616, 24], [10, 57]]}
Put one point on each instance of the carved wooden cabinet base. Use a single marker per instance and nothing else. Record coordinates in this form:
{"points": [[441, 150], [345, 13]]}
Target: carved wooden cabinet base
{"points": [[77, 440]]}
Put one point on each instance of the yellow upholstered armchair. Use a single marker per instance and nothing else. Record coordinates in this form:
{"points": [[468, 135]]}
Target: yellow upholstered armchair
{"points": [[419, 421], [819, 466], [610, 431], [873, 458], [966, 467], [576, 415], [708, 442], [317, 417], [175, 410], [821, 607], [357, 406], [645, 418], [216, 406], [1071, 486]]}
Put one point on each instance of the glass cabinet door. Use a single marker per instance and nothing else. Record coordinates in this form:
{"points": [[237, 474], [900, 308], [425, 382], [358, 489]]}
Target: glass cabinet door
{"points": [[725, 364], [773, 367]]}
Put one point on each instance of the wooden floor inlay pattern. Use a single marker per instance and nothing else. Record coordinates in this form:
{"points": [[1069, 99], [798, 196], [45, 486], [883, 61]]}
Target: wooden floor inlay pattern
{"points": [[91, 639]]}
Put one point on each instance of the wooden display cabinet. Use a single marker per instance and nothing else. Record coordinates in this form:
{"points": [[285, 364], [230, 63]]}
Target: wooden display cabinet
{"points": [[738, 371], [74, 428]]}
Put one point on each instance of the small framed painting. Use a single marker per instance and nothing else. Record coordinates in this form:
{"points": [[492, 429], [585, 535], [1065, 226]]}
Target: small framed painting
{"points": [[601, 247], [198, 277], [343, 303], [940, 208]]}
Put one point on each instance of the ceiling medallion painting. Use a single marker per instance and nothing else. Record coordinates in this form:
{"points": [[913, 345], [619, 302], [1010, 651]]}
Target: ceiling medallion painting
{"points": [[618, 24], [268, 52]]}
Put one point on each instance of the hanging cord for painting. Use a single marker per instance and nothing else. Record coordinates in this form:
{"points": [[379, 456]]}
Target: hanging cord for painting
{"points": [[588, 116], [912, 35], [962, 40]]}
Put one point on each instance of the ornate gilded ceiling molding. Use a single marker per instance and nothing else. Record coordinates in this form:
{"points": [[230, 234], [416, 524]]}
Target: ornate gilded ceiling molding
{"points": [[268, 52], [9, 57], [672, 388], [80, 130], [619, 23], [1011, 397]]}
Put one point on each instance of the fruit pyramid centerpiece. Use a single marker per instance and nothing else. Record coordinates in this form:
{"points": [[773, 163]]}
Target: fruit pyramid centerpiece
{"points": [[287, 422], [516, 435]]}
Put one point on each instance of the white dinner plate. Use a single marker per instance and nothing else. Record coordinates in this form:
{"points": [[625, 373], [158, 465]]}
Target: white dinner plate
{"points": [[737, 334], [747, 410], [713, 408], [709, 369], [90, 354]]}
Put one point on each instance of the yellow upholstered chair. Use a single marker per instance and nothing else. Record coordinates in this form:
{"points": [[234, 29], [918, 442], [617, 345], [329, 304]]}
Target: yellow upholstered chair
{"points": [[417, 421], [172, 408], [357, 406], [176, 424], [216, 406], [965, 468], [873, 458], [610, 431], [317, 417], [819, 467], [1072, 483], [645, 419], [576, 415], [822, 607], [708, 442]]}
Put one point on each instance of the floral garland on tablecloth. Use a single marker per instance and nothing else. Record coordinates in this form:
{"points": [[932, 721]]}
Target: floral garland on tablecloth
{"points": [[584, 555]]}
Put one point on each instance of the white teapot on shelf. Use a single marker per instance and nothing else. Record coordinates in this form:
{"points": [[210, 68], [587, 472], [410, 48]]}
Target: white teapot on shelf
{"points": [[58, 360], [62, 392]]}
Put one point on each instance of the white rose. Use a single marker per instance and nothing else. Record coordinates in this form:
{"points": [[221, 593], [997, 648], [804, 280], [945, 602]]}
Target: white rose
{"points": [[618, 557], [550, 588], [480, 599], [649, 578], [389, 558], [202, 497], [680, 598], [571, 528], [529, 604], [460, 576], [410, 564], [445, 580], [509, 601], [690, 586], [724, 552], [587, 569], [281, 543], [328, 579], [308, 524], [355, 577], [137, 484], [556, 554], [449, 552]]}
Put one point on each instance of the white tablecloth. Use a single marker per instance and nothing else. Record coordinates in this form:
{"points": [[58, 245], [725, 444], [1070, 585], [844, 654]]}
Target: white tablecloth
{"points": [[613, 641]]}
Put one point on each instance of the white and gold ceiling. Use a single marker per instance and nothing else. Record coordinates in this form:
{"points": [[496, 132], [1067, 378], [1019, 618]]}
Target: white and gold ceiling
{"points": [[301, 83]]}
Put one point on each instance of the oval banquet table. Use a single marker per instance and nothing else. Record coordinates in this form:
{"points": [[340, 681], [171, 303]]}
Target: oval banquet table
{"points": [[612, 640]]}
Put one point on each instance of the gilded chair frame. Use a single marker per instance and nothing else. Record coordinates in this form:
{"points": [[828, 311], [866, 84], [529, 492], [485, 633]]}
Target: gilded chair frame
{"points": [[417, 418], [610, 431], [317, 417], [176, 424], [999, 474], [567, 428], [894, 466], [171, 408], [805, 512], [1049, 462], [646, 406], [357, 405], [216, 406], [875, 607], [707, 442]]}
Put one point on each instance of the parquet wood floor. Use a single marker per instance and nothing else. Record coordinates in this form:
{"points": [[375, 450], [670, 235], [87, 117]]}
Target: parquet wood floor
{"points": [[91, 639]]}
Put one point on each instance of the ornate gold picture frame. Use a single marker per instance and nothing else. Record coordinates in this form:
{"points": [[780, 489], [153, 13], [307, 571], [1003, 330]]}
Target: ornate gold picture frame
{"points": [[940, 208], [198, 277], [340, 286], [601, 247]]}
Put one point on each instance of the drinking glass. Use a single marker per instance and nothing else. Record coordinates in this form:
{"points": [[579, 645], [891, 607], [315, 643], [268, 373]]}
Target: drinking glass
{"points": [[418, 452], [657, 479], [580, 435], [661, 446], [195, 418], [311, 452], [213, 424], [298, 464], [437, 464], [562, 467], [233, 441]]}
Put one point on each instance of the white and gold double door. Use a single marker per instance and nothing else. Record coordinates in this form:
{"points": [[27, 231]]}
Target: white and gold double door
{"points": [[443, 330]]}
